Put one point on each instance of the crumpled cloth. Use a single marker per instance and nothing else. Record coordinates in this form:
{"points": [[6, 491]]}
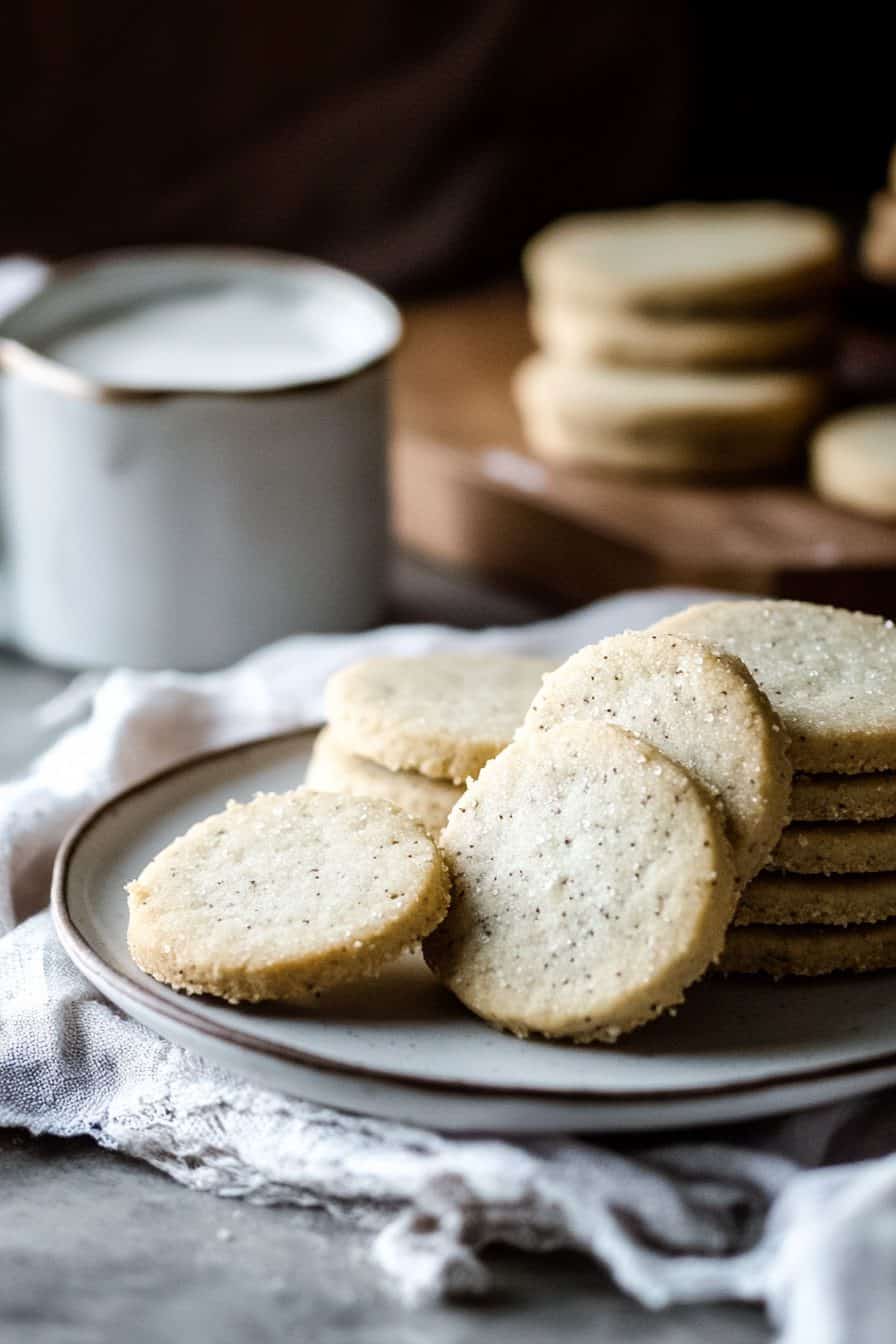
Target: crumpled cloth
{"points": [[799, 1213]]}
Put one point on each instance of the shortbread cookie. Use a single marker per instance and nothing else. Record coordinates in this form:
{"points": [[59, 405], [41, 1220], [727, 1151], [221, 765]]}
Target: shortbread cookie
{"points": [[837, 847], [701, 708], [283, 896], [670, 457], [809, 949], [879, 242], [829, 673], [668, 406], [443, 714], [687, 258], [785, 898], [882, 214], [878, 251], [844, 797], [592, 883], [614, 336], [335, 770], [852, 460]]}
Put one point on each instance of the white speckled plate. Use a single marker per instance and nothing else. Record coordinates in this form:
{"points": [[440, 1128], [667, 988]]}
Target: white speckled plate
{"points": [[403, 1047]]}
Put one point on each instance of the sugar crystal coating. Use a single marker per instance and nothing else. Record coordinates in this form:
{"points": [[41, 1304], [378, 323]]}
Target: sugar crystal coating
{"points": [[830, 674], [699, 706]]}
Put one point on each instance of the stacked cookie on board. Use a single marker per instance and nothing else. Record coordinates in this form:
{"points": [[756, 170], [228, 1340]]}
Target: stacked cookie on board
{"points": [[683, 341], [613, 827]]}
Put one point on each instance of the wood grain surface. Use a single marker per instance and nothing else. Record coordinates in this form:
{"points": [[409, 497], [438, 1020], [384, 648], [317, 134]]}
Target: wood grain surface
{"points": [[466, 491]]}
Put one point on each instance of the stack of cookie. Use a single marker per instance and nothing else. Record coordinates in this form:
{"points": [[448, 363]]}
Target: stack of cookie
{"points": [[878, 250], [827, 898], [684, 341], [413, 730]]}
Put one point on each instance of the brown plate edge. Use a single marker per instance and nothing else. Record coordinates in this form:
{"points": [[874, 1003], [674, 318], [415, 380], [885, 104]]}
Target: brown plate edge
{"points": [[145, 991]]}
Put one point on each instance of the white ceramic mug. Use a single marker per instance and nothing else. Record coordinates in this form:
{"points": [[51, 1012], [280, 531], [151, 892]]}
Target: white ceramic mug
{"points": [[194, 451]]}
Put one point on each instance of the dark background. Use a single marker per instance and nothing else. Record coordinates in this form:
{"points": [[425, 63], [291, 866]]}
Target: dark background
{"points": [[422, 143]]}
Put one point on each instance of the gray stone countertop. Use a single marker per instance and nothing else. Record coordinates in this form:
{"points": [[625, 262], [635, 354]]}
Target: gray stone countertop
{"points": [[95, 1247]]}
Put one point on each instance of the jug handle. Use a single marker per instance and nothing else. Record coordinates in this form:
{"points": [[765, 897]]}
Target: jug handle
{"points": [[20, 279]]}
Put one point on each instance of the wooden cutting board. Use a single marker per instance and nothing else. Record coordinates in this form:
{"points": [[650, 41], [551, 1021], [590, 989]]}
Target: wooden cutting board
{"points": [[466, 491]]}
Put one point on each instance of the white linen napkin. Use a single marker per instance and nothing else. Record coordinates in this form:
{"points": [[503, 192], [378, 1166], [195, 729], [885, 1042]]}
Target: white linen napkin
{"points": [[785, 1211]]}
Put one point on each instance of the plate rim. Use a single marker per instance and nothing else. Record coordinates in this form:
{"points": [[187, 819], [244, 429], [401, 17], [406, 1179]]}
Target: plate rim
{"points": [[149, 995]]}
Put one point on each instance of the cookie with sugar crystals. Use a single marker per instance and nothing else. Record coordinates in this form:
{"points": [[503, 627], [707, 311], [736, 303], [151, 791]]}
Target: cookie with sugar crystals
{"points": [[592, 883], [687, 257], [837, 847], [700, 707], [284, 896], [810, 949], [830, 674], [870, 797], [442, 714], [787, 898], [338, 771]]}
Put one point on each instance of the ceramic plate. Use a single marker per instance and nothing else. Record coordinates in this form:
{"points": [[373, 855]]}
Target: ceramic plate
{"points": [[403, 1047]]}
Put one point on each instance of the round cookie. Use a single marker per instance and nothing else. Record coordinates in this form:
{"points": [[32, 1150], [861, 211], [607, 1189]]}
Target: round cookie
{"points": [[286, 895], [687, 257], [878, 248], [837, 847], [615, 336], [829, 673], [668, 405], [338, 771], [553, 440], [775, 898], [697, 705], [443, 715], [882, 208], [592, 883], [878, 243], [869, 797], [809, 949], [852, 460]]}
